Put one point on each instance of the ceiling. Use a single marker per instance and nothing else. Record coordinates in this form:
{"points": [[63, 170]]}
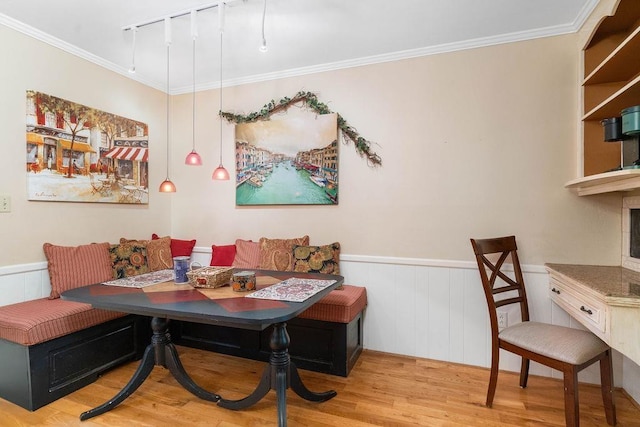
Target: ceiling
{"points": [[303, 36]]}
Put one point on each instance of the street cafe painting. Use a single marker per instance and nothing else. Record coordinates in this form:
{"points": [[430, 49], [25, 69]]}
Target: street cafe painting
{"points": [[288, 160], [77, 153]]}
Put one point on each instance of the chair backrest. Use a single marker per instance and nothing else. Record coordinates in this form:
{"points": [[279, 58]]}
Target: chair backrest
{"points": [[506, 248]]}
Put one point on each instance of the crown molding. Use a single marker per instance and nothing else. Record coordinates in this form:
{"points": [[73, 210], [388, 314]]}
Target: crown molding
{"points": [[74, 50], [399, 55], [321, 68]]}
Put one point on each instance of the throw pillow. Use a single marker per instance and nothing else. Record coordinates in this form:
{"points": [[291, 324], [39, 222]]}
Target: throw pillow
{"points": [[128, 259], [277, 254], [73, 267], [179, 247], [223, 255], [317, 259], [247, 254], [159, 254]]}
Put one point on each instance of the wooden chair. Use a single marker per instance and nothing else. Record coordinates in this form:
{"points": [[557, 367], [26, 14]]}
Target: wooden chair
{"points": [[566, 349]]}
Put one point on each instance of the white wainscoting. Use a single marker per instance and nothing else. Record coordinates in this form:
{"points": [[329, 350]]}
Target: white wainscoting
{"points": [[432, 309]]}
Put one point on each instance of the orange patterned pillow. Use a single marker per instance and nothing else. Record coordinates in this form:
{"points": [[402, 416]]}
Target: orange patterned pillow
{"points": [[159, 254], [129, 258], [277, 254], [74, 267]]}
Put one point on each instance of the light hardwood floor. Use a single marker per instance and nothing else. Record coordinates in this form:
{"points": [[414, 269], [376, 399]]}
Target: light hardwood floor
{"points": [[382, 390]]}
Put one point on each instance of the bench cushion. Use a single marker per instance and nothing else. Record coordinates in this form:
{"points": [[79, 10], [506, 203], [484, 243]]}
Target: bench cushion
{"points": [[40, 320], [340, 306]]}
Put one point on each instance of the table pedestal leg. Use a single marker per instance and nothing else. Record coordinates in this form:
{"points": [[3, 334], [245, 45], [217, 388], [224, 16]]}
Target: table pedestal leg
{"points": [[161, 352], [279, 376]]}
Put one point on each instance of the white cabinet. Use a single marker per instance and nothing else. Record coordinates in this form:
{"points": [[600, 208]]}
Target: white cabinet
{"points": [[611, 83], [605, 299]]}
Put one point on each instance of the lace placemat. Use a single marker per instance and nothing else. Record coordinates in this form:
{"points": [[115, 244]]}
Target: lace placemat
{"points": [[143, 280], [293, 290]]}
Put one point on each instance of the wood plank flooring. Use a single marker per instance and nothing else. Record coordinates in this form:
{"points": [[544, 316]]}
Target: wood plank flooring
{"points": [[382, 390]]}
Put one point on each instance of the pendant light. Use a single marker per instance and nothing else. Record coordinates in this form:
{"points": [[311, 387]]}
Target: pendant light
{"points": [[220, 174], [193, 158], [167, 186]]}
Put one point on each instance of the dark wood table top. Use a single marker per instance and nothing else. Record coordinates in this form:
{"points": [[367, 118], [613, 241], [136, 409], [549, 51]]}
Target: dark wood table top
{"points": [[219, 306]]}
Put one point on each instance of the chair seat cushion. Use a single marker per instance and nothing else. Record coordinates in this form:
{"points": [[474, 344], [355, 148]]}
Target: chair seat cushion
{"points": [[40, 320], [568, 345], [339, 306]]}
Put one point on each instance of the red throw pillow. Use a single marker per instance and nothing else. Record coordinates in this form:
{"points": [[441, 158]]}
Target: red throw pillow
{"points": [[223, 255], [179, 247]]}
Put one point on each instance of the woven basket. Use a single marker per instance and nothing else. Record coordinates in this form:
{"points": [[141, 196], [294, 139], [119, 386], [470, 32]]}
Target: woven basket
{"points": [[209, 277]]}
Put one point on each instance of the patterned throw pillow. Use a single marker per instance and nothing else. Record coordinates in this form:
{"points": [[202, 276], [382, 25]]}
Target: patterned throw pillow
{"points": [[247, 254], [317, 259], [159, 254], [128, 259], [73, 267], [277, 254]]}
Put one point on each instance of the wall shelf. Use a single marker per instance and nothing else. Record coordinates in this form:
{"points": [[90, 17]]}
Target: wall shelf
{"points": [[616, 67], [611, 83], [627, 96], [623, 180]]}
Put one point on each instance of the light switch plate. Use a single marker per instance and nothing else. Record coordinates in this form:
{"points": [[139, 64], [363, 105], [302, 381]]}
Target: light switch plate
{"points": [[5, 203]]}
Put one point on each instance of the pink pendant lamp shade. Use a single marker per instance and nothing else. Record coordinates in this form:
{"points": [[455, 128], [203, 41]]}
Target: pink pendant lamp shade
{"points": [[167, 186], [220, 174], [193, 159]]}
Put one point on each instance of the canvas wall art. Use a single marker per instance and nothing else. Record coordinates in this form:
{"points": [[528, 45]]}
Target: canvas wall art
{"points": [[289, 160], [77, 153]]}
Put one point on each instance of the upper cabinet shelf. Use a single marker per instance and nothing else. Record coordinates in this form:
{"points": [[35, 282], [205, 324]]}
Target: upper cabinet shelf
{"points": [[621, 64], [627, 96], [611, 83]]}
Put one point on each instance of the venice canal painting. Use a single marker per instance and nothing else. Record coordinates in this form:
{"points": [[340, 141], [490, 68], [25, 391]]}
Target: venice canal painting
{"points": [[79, 154], [288, 161]]}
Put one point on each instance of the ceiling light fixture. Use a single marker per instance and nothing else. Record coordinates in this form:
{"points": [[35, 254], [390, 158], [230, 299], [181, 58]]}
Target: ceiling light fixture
{"points": [[167, 186], [220, 174], [134, 31], [193, 158], [263, 47]]}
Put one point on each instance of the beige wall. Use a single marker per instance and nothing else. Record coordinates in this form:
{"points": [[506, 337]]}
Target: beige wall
{"points": [[30, 64], [474, 143]]}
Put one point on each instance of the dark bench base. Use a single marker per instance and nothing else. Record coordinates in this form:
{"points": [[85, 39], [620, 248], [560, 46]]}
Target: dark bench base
{"points": [[327, 347], [33, 376]]}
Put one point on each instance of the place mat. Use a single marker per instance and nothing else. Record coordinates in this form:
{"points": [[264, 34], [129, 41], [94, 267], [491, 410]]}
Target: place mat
{"points": [[294, 289], [143, 280]]}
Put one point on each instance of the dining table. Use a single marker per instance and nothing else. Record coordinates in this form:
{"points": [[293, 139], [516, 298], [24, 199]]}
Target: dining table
{"points": [[279, 296]]}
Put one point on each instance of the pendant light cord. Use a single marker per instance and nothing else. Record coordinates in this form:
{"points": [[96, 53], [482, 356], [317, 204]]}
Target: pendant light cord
{"points": [[220, 112], [193, 97], [168, 100]]}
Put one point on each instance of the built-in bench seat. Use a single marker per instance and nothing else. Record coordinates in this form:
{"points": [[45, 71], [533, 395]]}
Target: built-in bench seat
{"points": [[51, 347], [327, 337]]}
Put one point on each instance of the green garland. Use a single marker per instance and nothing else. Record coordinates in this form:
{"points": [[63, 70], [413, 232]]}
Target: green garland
{"points": [[362, 146]]}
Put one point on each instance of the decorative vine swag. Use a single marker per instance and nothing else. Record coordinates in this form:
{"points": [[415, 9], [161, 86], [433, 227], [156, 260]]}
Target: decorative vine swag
{"points": [[310, 100]]}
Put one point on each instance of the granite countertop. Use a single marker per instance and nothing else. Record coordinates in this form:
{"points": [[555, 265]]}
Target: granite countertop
{"points": [[610, 281]]}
